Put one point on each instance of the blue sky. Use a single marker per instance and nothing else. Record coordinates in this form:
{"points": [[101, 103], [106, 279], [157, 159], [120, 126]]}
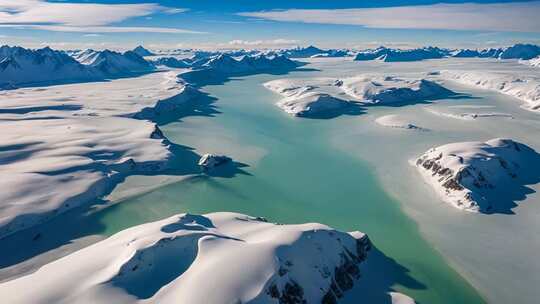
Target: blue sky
{"points": [[122, 24]]}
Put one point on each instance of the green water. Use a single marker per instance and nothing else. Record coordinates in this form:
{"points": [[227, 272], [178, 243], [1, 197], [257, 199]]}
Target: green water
{"points": [[300, 178]]}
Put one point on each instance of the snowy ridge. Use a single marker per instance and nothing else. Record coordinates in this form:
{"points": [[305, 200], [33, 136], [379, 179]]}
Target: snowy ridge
{"points": [[479, 176], [526, 89], [244, 259], [315, 96]]}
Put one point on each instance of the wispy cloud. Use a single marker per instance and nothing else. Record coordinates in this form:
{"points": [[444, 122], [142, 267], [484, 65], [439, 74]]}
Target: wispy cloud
{"points": [[265, 43], [80, 17], [517, 16], [101, 29]]}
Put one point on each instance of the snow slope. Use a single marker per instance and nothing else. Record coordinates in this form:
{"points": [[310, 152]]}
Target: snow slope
{"points": [[485, 177], [314, 96], [211, 258], [23, 66], [65, 146], [526, 89]]}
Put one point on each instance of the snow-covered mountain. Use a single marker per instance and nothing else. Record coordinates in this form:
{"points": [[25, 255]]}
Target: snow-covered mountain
{"points": [[517, 51], [225, 65], [520, 51], [315, 97], [302, 52], [478, 176], [212, 258], [468, 53], [113, 63], [141, 51], [23, 66], [396, 55], [171, 62], [333, 53]]}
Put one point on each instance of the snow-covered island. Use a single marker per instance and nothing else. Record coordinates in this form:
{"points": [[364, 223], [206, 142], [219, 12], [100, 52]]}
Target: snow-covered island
{"points": [[315, 97], [486, 177], [396, 121], [526, 89], [244, 260], [209, 161]]}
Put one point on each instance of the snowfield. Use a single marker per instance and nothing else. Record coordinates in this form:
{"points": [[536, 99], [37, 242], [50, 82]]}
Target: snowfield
{"points": [[526, 89], [64, 146], [481, 177], [321, 96], [212, 258]]}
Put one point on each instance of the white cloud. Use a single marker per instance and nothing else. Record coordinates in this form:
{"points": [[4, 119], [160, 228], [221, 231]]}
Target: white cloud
{"points": [[80, 17], [173, 11], [102, 29], [258, 43], [517, 16]]}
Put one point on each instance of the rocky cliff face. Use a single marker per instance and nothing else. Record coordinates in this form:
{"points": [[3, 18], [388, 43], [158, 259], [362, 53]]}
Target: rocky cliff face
{"points": [[478, 176]]}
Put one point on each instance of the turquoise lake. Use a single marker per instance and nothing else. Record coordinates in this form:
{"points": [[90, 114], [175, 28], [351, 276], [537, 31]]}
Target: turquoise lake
{"points": [[294, 175]]}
